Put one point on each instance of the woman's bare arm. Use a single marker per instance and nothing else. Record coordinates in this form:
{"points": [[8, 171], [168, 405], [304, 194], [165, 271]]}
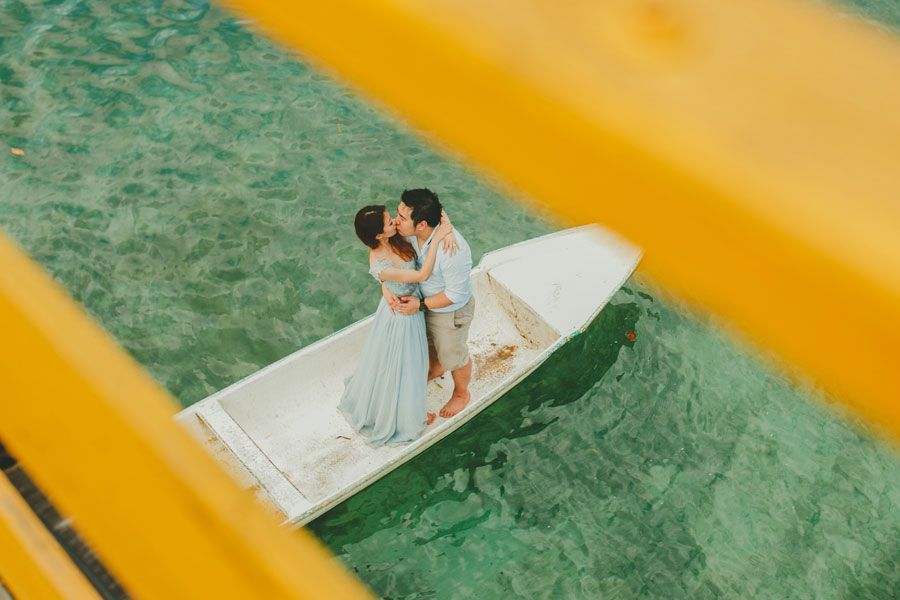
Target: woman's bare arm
{"points": [[450, 243], [413, 276]]}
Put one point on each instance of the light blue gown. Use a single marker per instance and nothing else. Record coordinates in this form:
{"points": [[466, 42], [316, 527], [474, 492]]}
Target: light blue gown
{"points": [[385, 397]]}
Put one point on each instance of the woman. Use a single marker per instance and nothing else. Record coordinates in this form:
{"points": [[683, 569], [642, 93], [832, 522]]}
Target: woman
{"points": [[385, 398]]}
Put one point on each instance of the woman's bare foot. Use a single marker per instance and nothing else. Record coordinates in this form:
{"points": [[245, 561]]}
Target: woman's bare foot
{"points": [[429, 418], [456, 403]]}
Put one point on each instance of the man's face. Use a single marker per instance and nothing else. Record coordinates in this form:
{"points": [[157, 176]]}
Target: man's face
{"points": [[404, 222]]}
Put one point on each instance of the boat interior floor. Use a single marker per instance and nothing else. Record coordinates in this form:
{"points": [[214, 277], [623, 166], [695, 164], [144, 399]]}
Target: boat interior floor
{"points": [[307, 439]]}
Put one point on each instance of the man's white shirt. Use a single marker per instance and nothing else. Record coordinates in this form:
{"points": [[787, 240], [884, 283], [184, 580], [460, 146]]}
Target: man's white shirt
{"points": [[451, 274]]}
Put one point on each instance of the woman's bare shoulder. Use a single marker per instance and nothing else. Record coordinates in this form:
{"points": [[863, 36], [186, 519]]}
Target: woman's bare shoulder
{"points": [[378, 255]]}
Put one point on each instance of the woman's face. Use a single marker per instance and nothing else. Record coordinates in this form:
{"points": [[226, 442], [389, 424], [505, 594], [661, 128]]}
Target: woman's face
{"points": [[390, 230]]}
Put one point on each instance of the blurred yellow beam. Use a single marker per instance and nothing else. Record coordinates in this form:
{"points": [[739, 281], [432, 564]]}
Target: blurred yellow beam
{"points": [[751, 148], [32, 563], [97, 435]]}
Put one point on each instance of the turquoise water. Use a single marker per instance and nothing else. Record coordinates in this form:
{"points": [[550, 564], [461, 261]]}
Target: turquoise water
{"points": [[192, 186]]}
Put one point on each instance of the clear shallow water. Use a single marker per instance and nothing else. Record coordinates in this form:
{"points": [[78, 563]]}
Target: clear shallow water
{"points": [[673, 467], [192, 186]]}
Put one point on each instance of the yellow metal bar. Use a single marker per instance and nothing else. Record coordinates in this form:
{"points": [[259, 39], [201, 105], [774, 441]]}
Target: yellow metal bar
{"points": [[751, 148], [32, 564], [97, 435]]}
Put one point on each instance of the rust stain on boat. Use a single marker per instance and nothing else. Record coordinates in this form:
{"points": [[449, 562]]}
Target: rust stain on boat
{"points": [[495, 361]]}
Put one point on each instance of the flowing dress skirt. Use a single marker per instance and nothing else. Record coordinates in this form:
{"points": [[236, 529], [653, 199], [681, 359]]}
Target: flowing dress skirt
{"points": [[385, 397]]}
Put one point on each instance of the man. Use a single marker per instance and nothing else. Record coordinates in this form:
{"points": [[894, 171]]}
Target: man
{"points": [[449, 302]]}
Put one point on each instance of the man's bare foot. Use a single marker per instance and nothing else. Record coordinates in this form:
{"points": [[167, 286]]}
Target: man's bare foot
{"points": [[429, 418], [456, 403]]}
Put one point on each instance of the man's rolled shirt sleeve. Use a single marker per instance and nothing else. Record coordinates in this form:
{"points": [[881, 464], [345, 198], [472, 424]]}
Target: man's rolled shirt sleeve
{"points": [[457, 268]]}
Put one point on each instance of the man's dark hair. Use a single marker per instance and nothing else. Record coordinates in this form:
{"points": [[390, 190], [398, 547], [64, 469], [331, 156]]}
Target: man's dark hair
{"points": [[425, 206]]}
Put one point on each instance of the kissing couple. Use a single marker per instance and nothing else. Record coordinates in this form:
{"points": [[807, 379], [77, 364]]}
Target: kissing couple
{"points": [[421, 326]]}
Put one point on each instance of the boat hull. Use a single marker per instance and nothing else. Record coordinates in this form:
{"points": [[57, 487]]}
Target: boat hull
{"points": [[279, 430]]}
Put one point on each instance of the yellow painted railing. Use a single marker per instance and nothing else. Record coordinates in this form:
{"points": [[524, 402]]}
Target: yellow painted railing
{"points": [[32, 564], [97, 435], [751, 148]]}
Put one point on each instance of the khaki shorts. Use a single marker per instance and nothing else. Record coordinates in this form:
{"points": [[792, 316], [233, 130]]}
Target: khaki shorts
{"points": [[448, 335]]}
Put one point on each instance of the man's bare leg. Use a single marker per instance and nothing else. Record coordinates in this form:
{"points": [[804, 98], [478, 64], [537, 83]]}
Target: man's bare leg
{"points": [[461, 395], [435, 369]]}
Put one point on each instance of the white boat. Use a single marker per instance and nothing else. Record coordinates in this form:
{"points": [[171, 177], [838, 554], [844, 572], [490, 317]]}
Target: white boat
{"points": [[280, 433]]}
